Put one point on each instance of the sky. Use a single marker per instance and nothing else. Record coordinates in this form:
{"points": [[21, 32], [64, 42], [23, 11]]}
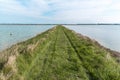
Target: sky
{"points": [[60, 11]]}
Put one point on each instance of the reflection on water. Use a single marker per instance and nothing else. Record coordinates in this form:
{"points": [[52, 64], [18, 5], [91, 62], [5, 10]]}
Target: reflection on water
{"points": [[107, 35]]}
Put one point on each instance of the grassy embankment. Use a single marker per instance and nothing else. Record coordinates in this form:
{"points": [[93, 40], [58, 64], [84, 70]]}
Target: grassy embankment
{"points": [[58, 54]]}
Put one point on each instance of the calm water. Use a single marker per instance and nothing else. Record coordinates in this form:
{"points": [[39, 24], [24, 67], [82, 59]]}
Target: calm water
{"points": [[19, 33], [107, 35]]}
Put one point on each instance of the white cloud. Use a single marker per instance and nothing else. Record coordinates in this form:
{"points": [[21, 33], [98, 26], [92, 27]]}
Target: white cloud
{"points": [[64, 10], [79, 11], [34, 8]]}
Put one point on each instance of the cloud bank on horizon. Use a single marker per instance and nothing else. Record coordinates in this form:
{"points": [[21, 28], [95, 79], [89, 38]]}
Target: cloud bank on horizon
{"points": [[59, 11]]}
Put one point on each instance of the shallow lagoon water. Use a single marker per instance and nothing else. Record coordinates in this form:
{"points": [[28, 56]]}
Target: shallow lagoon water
{"points": [[107, 35], [12, 34]]}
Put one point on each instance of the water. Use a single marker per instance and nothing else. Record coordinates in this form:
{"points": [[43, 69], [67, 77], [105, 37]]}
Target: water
{"points": [[107, 35], [11, 34]]}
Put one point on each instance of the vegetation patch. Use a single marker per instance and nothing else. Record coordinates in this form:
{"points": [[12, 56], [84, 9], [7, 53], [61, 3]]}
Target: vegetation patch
{"points": [[60, 54]]}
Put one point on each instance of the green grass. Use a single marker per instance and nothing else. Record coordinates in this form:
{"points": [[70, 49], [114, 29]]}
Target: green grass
{"points": [[61, 54]]}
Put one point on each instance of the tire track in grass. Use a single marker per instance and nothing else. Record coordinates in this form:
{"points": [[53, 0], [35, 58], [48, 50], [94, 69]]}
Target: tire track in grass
{"points": [[54, 48], [67, 52], [88, 71], [64, 52], [68, 46], [59, 55], [75, 50], [48, 59], [92, 74], [72, 65], [73, 46], [53, 65], [37, 62]]}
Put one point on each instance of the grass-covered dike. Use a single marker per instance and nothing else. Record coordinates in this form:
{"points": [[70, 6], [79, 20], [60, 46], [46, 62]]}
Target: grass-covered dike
{"points": [[59, 54]]}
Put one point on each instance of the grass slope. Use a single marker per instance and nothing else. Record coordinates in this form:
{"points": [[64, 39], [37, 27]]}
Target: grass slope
{"points": [[58, 54]]}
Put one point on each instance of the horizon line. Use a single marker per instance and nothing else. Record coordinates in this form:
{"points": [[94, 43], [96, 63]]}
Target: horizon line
{"points": [[59, 24]]}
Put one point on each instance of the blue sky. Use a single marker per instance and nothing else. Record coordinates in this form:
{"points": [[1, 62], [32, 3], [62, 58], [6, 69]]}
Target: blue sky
{"points": [[59, 11]]}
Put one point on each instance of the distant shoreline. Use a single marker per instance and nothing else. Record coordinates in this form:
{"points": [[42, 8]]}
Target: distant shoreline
{"points": [[60, 24]]}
